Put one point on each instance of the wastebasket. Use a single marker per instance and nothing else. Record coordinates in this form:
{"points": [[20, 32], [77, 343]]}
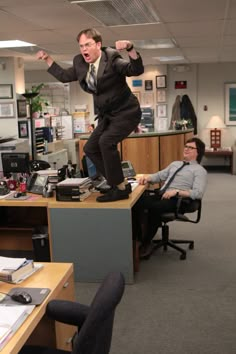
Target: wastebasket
{"points": [[41, 244]]}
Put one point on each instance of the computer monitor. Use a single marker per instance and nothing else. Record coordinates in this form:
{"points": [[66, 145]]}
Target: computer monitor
{"points": [[15, 162]]}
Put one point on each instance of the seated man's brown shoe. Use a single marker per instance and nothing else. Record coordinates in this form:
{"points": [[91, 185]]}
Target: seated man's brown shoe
{"points": [[113, 194], [146, 251]]}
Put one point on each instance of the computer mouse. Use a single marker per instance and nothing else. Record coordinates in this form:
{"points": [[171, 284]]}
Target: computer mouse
{"points": [[22, 296], [17, 195]]}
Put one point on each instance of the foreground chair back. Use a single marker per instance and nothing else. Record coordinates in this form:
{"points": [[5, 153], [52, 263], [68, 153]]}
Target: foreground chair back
{"points": [[95, 322]]}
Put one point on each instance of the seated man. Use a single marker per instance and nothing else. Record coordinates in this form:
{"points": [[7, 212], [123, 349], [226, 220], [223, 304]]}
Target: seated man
{"points": [[185, 178]]}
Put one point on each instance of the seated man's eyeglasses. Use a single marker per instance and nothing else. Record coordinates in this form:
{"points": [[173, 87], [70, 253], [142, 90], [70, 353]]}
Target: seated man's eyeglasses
{"points": [[86, 45], [190, 147]]}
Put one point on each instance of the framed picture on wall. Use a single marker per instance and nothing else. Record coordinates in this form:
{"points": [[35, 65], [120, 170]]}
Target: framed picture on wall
{"points": [[6, 91], [148, 85], [230, 104], [161, 81], [21, 108], [23, 130], [147, 99], [161, 96], [161, 110], [137, 94], [6, 110]]}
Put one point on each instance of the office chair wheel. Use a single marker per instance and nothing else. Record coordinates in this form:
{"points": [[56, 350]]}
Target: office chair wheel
{"points": [[191, 246], [182, 256]]}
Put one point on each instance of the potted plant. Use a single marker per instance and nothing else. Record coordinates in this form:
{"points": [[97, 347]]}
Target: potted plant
{"points": [[37, 102]]}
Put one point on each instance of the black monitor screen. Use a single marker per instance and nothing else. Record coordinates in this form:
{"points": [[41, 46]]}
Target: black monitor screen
{"points": [[15, 162]]}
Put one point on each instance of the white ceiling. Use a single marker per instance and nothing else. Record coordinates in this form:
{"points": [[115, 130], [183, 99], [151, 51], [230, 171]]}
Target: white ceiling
{"points": [[204, 30]]}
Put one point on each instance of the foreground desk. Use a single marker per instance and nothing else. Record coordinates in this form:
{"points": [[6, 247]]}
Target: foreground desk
{"points": [[96, 237], [37, 329]]}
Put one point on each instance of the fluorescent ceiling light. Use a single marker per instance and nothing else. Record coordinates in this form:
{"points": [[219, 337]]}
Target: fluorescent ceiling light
{"points": [[154, 43], [15, 44], [169, 59], [119, 12]]}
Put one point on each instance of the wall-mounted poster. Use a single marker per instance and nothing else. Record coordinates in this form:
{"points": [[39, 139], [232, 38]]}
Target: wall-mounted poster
{"points": [[137, 83], [180, 84]]}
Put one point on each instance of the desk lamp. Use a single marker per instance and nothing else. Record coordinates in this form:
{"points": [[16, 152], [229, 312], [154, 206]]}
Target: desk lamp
{"points": [[30, 96], [215, 125]]}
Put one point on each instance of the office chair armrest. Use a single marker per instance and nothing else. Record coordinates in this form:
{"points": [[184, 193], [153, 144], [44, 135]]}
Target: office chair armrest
{"points": [[68, 312], [188, 205]]}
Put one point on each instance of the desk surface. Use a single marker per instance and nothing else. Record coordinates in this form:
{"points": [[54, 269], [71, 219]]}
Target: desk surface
{"points": [[219, 152], [90, 202], [52, 276]]}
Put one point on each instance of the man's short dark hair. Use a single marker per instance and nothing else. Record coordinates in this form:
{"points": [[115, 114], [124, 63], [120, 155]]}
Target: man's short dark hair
{"points": [[90, 33], [200, 147]]}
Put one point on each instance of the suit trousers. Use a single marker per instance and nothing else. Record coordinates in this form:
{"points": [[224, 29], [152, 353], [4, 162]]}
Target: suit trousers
{"points": [[146, 216], [112, 128]]}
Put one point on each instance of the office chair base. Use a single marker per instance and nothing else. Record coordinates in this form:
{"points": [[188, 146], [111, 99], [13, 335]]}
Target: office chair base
{"points": [[173, 244]]}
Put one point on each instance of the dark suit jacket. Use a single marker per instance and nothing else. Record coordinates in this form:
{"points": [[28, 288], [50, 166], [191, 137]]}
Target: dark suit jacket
{"points": [[111, 77]]}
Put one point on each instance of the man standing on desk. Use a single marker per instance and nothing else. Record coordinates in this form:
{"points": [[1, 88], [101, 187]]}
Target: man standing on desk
{"points": [[102, 72]]}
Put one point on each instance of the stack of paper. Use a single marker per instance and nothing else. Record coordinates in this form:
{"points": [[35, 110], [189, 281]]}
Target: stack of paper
{"points": [[11, 263], [11, 318], [14, 270]]}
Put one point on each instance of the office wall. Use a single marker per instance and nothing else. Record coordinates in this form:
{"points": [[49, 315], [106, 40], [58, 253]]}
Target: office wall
{"points": [[205, 87], [12, 72]]}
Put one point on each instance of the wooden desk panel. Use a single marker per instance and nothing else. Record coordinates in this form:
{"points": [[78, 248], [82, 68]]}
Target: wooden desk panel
{"points": [[171, 149], [143, 153], [188, 136], [54, 276], [96, 237]]}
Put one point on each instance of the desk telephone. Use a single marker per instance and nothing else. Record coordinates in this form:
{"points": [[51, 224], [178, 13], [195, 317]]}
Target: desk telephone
{"points": [[4, 188], [36, 183], [128, 170]]}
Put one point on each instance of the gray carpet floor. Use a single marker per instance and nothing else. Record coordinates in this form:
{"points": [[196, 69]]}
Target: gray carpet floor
{"points": [[184, 307]]}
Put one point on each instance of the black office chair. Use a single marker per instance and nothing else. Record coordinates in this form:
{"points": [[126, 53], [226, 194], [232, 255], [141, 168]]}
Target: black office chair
{"points": [[184, 206], [95, 322]]}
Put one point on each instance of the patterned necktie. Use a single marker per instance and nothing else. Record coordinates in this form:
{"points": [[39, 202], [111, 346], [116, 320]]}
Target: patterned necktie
{"points": [[92, 79]]}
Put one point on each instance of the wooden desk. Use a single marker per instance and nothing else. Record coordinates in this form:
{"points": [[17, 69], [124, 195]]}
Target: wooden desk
{"points": [[96, 237], [149, 152], [227, 154], [37, 329]]}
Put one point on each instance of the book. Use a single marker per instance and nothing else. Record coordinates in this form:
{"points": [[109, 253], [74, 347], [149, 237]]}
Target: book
{"points": [[11, 318], [11, 262], [13, 275]]}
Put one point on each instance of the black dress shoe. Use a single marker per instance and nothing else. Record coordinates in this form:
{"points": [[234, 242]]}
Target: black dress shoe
{"points": [[113, 194], [128, 188]]}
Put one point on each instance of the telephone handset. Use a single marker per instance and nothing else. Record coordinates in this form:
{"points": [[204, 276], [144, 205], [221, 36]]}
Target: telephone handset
{"points": [[4, 188], [36, 183], [128, 170]]}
